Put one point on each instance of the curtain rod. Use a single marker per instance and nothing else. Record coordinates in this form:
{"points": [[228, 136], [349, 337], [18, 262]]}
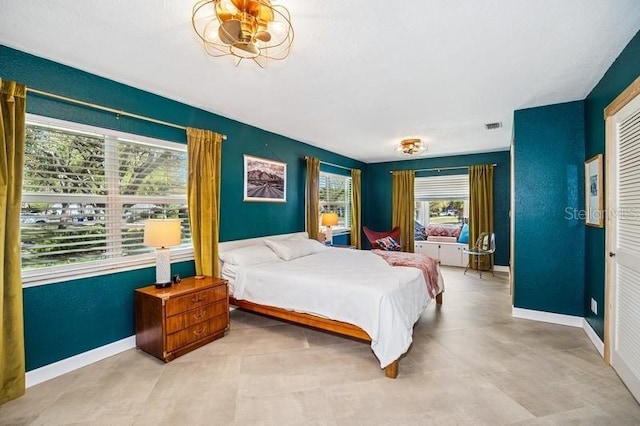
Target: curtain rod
{"points": [[439, 169], [107, 109], [331, 164]]}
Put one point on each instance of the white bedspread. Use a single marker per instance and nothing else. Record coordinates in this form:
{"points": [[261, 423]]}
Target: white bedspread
{"points": [[353, 286]]}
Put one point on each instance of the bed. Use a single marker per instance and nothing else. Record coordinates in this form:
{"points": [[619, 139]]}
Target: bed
{"points": [[354, 293]]}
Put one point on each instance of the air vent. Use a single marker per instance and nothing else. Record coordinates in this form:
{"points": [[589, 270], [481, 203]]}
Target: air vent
{"points": [[493, 126]]}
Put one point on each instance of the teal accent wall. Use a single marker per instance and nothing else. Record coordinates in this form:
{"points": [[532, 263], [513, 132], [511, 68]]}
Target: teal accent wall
{"points": [[68, 318], [548, 234], [377, 215], [621, 74]]}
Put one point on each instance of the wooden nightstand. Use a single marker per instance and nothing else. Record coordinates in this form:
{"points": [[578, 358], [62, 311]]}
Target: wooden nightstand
{"points": [[173, 321]]}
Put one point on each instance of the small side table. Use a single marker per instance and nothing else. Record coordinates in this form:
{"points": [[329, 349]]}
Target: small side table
{"points": [[173, 321]]}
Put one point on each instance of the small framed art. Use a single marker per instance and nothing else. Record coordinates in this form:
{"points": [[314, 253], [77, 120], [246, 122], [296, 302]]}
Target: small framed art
{"points": [[264, 180], [593, 192]]}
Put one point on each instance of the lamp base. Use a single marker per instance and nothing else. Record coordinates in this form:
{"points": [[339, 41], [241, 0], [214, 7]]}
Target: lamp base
{"points": [[163, 268], [164, 285], [328, 236]]}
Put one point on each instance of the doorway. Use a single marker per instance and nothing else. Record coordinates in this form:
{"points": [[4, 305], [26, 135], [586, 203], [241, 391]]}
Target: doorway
{"points": [[622, 318]]}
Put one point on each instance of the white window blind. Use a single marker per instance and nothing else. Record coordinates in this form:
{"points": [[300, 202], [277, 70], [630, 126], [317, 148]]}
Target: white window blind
{"points": [[86, 196], [335, 196], [435, 188]]}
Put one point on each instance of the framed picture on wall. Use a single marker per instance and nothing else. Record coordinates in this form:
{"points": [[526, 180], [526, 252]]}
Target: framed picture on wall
{"points": [[593, 192], [264, 180]]}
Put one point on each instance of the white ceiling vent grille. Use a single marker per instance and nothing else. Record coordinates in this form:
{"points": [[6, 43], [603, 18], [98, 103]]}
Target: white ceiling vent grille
{"points": [[493, 126]]}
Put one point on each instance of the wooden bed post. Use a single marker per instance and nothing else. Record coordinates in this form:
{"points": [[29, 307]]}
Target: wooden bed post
{"points": [[391, 370], [439, 298]]}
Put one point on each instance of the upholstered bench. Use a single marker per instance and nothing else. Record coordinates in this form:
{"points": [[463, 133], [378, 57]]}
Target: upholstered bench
{"points": [[444, 243]]}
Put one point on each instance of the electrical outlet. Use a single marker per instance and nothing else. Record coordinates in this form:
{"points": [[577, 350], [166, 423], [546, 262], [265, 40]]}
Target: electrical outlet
{"points": [[594, 306]]}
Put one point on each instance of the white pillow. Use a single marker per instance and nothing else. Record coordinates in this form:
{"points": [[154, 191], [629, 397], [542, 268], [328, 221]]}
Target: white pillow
{"points": [[251, 255], [297, 236], [293, 248]]}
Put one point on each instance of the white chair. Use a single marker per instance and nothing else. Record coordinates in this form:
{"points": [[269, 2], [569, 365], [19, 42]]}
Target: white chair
{"points": [[485, 246]]}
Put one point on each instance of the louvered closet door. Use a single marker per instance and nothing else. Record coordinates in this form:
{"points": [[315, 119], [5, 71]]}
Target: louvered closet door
{"points": [[625, 223]]}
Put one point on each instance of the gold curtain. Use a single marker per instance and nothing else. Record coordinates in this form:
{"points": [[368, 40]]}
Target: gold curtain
{"points": [[403, 207], [356, 208], [480, 207], [12, 138], [205, 152], [312, 202]]}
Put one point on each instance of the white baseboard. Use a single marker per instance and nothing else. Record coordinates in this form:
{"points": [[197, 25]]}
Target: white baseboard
{"points": [[66, 365], [500, 268], [593, 336], [570, 320]]}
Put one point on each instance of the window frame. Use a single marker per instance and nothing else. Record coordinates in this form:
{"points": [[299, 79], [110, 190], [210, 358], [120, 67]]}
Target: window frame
{"points": [[339, 230], [444, 188], [61, 273]]}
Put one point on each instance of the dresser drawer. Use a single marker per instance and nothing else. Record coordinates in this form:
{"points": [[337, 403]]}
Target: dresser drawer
{"points": [[196, 332], [195, 316], [173, 321], [182, 304]]}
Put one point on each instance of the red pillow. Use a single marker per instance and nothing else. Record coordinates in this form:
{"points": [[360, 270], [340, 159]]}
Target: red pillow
{"points": [[388, 244]]}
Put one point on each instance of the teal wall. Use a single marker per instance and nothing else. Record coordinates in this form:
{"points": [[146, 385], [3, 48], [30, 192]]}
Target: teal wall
{"points": [[68, 318], [377, 214], [549, 239], [621, 74]]}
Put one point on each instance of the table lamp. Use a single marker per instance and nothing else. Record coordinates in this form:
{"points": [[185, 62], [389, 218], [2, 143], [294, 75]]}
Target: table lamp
{"points": [[162, 234], [328, 220]]}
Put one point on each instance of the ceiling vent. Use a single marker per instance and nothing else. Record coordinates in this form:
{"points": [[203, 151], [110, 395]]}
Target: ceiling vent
{"points": [[493, 126]]}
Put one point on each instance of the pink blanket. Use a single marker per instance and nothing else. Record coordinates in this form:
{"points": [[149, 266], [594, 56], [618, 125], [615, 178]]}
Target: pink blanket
{"points": [[427, 265]]}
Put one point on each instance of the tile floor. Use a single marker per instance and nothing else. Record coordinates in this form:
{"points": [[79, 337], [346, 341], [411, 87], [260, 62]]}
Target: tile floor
{"points": [[471, 363]]}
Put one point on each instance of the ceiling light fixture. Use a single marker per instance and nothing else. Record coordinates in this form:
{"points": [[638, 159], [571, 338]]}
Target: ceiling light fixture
{"points": [[411, 146], [246, 29]]}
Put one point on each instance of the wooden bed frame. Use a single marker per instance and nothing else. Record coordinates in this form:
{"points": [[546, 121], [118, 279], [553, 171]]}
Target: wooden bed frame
{"points": [[326, 324], [321, 323]]}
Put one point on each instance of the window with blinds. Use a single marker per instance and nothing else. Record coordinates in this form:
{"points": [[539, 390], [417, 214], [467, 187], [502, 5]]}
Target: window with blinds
{"points": [[441, 199], [335, 196], [86, 196]]}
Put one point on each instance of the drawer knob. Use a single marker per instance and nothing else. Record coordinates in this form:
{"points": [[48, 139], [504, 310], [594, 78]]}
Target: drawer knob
{"points": [[200, 315], [197, 299], [198, 332]]}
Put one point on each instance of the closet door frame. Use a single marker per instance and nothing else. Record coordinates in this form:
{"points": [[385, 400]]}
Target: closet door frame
{"points": [[618, 103]]}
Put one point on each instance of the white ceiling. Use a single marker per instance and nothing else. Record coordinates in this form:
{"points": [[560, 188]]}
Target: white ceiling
{"points": [[362, 74]]}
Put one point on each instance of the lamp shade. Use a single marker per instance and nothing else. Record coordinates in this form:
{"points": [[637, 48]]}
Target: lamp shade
{"points": [[162, 232], [329, 219]]}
